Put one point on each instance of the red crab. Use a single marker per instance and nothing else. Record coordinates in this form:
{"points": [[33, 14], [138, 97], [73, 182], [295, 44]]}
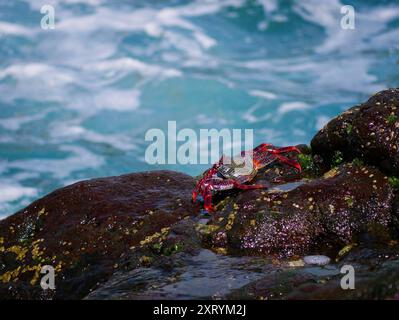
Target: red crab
{"points": [[224, 176]]}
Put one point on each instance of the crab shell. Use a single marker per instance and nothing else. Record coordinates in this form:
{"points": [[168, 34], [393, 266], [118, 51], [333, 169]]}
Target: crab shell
{"points": [[241, 174]]}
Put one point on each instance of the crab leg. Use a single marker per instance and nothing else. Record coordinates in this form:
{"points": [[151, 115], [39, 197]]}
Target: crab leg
{"points": [[285, 150], [266, 147], [210, 172], [248, 186], [207, 194], [290, 162], [263, 146], [277, 152]]}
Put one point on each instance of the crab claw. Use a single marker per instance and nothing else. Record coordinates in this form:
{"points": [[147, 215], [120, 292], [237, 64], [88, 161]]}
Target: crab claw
{"points": [[194, 196], [290, 162], [249, 186]]}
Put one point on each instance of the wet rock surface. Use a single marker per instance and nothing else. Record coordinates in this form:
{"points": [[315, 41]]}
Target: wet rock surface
{"points": [[375, 277], [84, 229], [322, 215], [138, 236]]}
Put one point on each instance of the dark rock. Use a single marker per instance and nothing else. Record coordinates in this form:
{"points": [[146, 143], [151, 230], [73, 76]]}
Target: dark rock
{"points": [[369, 131], [138, 236], [395, 213], [85, 229], [375, 274], [317, 217]]}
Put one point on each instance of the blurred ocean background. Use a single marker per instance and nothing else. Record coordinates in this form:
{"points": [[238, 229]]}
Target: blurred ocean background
{"points": [[75, 102]]}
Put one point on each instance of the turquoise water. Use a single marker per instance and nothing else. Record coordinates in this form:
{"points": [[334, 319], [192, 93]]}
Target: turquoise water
{"points": [[76, 101]]}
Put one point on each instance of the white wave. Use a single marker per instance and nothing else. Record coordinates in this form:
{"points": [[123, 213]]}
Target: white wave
{"points": [[250, 117], [269, 6], [81, 44], [133, 65], [381, 40], [80, 159], [12, 192], [327, 14], [15, 123], [40, 82], [350, 74], [188, 46], [87, 2], [120, 100], [347, 75], [292, 106], [13, 29], [67, 132], [205, 41], [145, 19], [50, 75], [205, 7], [107, 19], [37, 4], [262, 94], [160, 23]]}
